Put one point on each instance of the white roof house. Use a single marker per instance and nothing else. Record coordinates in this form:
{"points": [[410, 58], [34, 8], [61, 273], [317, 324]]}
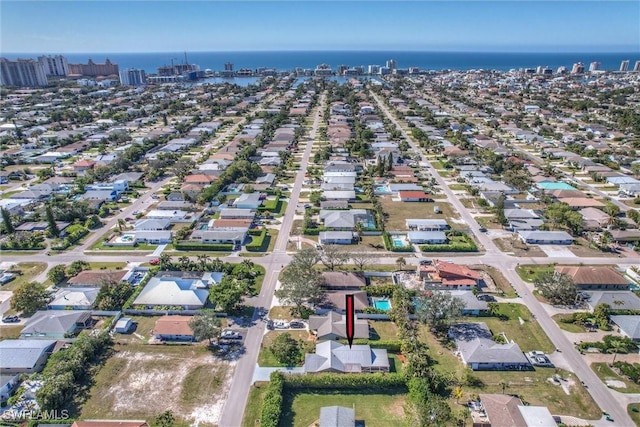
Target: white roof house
{"points": [[174, 291], [76, 298]]}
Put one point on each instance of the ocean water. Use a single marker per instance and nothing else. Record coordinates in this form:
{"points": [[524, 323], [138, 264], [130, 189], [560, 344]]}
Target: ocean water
{"points": [[288, 60]]}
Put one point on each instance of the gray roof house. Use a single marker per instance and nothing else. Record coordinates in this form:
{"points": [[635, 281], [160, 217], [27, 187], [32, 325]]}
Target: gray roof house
{"points": [[546, 237], [617, 300], [427, 224], [28, 356], [629, 325], [337, 416], [472, 305], [56, 323], [427, 237], [333, 326], [190, 294], [341, 219], [331, 356], [335, 237], [74, 299], [478, 350], [152, 224]]}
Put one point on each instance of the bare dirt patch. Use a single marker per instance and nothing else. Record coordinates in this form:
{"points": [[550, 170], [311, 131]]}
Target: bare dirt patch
{"points": [[144, 381]]}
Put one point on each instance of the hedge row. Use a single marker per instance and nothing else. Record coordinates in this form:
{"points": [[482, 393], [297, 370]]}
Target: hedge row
{"points": [[259, 243], [189, 246], [139, 287], [313, 231], [272, 405], [346, 382], [380, 290]]}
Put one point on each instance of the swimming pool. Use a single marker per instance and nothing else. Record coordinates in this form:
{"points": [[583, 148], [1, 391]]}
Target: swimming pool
{"points": [[382, 304], [398, 242]]}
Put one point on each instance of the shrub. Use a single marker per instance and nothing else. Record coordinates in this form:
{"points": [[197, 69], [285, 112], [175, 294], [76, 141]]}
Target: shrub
{"points": [[272, 405], [193, 246]]}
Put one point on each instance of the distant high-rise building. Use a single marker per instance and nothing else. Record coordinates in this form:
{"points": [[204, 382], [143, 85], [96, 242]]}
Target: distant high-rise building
{"points": [[547, 71], [594, 66], [578, 68], [133, 77], [323, 70], [177, 69], [624, 65], [341, 69], [385, 70], [636, 67], [228, 66], [392, 64], [92, 69], [373, 69], [561, 70], [22, 72], [54, 65]]}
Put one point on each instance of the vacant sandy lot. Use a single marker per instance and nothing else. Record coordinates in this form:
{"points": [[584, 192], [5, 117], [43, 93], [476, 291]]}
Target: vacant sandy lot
{"points": [[142, 381]]}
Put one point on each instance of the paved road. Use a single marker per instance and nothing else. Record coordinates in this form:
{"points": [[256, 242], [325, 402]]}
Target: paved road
{"points": [[234, 406], [600, 393]]}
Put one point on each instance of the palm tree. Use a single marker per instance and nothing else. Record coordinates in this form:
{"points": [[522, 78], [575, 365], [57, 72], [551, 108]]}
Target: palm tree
{"points": [[121, 224], [616, 346], [203, 259], [217, 265], [184, 261], [165, 262], [401, 262]]}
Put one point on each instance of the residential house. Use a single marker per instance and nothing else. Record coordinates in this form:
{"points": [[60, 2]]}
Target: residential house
{"points": [[449, 276], [248, 201], [617, 300], [173, 328], [331, 356], [230, 213], [478, 350], [344, 219], [74, 299], [335, 237], [153, 237], [24, 356], [335, 300], [96, 278], [593, 219], [499, 410], [56, 324], [629, 325], [221, 237], [523, 219], [591, 277], [342, 280], [414, 196], [539, 237], [8, 382], [124, 325], [472, 305], [152, 224], [427, 237], [427, 224], [172, 216], [333, 326], [188, 293]]}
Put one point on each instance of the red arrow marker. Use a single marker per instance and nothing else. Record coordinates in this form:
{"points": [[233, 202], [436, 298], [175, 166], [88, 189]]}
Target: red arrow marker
{"points": [[351, 314]]}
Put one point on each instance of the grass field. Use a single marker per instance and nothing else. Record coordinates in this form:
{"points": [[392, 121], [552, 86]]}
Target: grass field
{"points": [[9, 332], [374, 410], [127, 385], [27, 272], [569, 327], [266, 358], [399, 212], [530, 272], [529, 335], [604, 372], [253, 410], [382, 330], [634, 414]]}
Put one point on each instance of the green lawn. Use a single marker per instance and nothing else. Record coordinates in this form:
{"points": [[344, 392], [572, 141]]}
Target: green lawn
{"points": [[302, 409], [604, 372], [530, 272], [253, 411], [529, 335], [569, 327], [266, 358], [107, 265], [25, 273], [9, 332], [399, 212], [382, 330], [635, 415]]}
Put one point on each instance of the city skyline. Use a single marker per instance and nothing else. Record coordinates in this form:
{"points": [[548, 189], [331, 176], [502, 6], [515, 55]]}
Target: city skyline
{"points": [[160, 26]]}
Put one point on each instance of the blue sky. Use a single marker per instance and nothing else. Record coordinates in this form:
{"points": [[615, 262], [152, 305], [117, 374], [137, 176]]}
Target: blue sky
{"points": [[160, 26]]}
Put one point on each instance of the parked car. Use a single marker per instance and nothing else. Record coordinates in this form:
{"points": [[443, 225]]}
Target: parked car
{"points": [[488, 298], [482, 229], [296, 325], [10, 319], [155, 261], [230, 335], [280, 324]]}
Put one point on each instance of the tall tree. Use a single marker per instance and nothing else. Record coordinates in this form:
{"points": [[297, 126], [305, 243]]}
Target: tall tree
{"points": [[499, 210], [57, 274], [437, 309], [6, 220], [205, 325], [557, 288], [286, 349], [29, 298], [332, 257], [53, 227], [361, 259], [300, 283], [226, 295]]}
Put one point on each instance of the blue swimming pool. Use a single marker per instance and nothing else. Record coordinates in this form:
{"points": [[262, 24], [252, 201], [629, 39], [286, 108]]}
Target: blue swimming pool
{"points": [[382, 304], [398, 242]]}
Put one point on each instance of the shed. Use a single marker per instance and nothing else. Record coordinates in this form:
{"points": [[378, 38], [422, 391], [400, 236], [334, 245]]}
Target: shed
{"points": [[124, 325]]}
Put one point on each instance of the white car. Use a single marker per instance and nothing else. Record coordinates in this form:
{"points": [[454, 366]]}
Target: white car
{"points": [[281, 324], [230, 335]]}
